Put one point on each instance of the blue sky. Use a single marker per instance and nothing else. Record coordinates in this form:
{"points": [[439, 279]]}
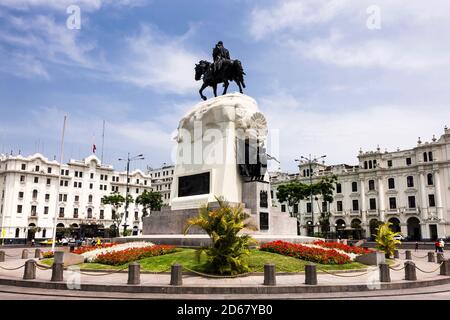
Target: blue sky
{"points": [[327, 82]]}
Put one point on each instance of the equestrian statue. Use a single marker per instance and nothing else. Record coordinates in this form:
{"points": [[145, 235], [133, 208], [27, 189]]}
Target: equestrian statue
{"points": [[222, 70]]}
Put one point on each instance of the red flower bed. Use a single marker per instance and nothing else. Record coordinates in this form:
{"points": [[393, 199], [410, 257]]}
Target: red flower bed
{"points": [[343, 247], [117, 258], [84, 249], [303, 252]]}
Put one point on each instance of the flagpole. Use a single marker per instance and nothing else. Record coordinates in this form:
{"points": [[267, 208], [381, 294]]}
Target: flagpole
{"points": [[103, 140], [58, 187]]}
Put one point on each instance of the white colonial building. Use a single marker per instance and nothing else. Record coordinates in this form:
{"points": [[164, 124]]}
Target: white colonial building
{"points": [[410, 188], [29, 196], [162, 181]]}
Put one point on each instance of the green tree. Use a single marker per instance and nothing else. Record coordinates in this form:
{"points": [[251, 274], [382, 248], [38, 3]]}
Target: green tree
{"points": [[291, 193], [150, 201], [228, 250], [385, 239], [116, 200]]}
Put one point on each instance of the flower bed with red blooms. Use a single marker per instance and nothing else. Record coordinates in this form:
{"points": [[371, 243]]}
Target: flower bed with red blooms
{"points": [[117, 258], [343, 247], [84, 249], [318, 255]]}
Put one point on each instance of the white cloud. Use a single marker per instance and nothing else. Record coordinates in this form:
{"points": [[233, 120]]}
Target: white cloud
{"points": [[159, 62], [340, 134]]}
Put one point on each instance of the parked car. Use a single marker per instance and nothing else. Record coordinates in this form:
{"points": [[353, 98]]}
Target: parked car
{"points": [[399, 237]]}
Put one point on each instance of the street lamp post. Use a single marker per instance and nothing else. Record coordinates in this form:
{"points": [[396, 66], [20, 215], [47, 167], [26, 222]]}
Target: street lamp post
{"points": [[310, 161], [128, 160]]}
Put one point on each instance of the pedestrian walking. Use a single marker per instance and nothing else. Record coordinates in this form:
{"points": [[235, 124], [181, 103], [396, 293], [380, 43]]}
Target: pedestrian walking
{"points": [[417, 246], [436, 246], [441, 245]]}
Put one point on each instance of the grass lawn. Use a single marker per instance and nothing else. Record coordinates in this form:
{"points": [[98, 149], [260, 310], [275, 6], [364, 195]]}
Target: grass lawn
{"points": [[187, 258]]}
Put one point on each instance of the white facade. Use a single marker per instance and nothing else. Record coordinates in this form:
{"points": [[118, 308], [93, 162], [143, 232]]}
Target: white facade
{"points": [[29, 195], [162, 181], [410, 188]]}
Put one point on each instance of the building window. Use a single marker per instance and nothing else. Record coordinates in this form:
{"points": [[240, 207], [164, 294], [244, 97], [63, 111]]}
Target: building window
{"points": [[392, 203], [339, 206], [102, 214], [338, 188], [44, 233], [36, 168], [355, 205], [136, 215], [389, 163], [19, 208], [411, 202], [137, 190], [49, 170], [283, 208], [91, 186], [410, 181], [45, 210], [354, 187], [33, 211], [430, 179], [61, 212], [370, 164], [371, 184], [391, 183], [430, 156], [365, 165], [308, 207], [35, 194], [24, 166], [296, 208], [77, 198], [17, 232], [90, 198], [20, 195], [49, 181], [89, 213], [408, 161], [75, 213], [22, 178], [431, 201], [47, 197], [36, 179], [372, 204], [92, 176]]}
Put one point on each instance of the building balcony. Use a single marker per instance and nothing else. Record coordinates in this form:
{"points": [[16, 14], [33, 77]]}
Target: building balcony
{"points": [[355, 213], [412, 211], [392, 211], [338, 213], [372, 212]]}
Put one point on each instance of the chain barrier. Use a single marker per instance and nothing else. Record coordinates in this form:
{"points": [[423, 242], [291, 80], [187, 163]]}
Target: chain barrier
{"points": [[425, 256], [397, 269], [103, 273], [216, 276], [430, 271], [12, 269], [13, 255], [345, 276], [41, 266]]}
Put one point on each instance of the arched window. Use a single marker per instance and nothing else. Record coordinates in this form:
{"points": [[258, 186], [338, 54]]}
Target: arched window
{"points": [[17, 232], [430, 156], [391, 183], [35, 194], [371, 184], [430, 179], [410, 181], [425, 157], [89, 213]]}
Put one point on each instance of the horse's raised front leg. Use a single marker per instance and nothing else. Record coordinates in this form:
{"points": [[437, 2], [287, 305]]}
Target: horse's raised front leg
{"points": [[215, 89], [201, 91], [239, 85], [225, 87]]}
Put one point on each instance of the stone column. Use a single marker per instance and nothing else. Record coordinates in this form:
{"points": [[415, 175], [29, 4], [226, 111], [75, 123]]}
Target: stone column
{"points": [[269, 275], [381, 198], [423, 197], [310, 274], [437, 185], [176, 275]]}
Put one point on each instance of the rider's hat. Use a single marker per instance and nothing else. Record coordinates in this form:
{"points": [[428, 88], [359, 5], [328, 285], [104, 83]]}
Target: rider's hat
{"points": [[220, 42]]}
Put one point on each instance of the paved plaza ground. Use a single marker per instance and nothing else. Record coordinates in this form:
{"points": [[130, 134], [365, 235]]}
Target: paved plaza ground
{"points": [[368, 278]]}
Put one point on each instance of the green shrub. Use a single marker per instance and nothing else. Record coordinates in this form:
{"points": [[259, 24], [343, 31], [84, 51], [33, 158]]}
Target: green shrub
{"points": [[385, 239]]}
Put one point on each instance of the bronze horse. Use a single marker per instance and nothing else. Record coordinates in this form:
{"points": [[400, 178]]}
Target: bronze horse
{"points": [[231, 70]]}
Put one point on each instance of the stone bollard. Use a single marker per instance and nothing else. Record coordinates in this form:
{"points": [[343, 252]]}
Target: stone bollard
{"points": [[2, 256], [310, 274], [385, 275], [445, 268], [410, 271], [24, 254], [396, 254], [431, 257], [134, 273], [59, 257], [176, 275], [269, 275], [29, 273], [408, 255], [57, 272], [37, 253], [439, 257]]}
